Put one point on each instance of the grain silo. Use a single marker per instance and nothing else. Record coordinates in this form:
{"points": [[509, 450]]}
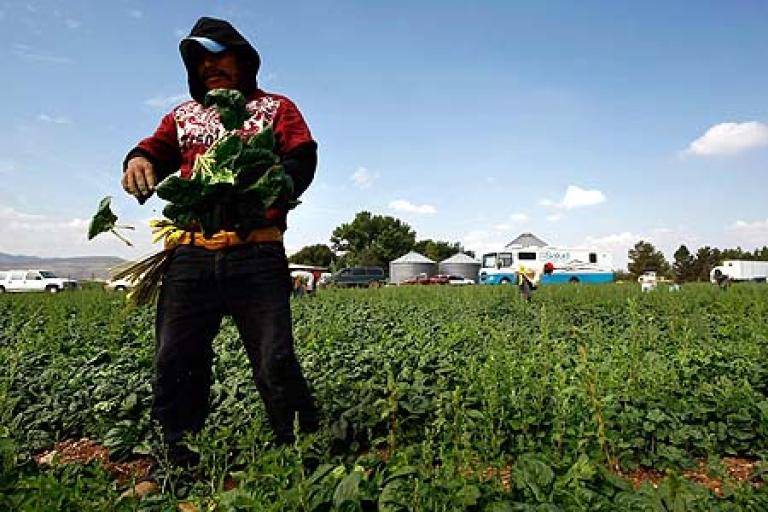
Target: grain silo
{"points": [[410, 265], [460, 265]]}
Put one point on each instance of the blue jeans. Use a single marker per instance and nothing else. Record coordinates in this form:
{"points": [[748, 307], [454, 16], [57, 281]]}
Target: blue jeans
{"points": [[252, 284]]}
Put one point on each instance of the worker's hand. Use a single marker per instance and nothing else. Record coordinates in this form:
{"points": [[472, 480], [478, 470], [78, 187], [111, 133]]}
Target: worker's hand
{"points": [[139, 178]]}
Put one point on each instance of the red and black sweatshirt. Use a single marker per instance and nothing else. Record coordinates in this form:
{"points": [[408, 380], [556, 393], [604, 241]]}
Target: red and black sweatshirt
{"points": [[190, 128]]}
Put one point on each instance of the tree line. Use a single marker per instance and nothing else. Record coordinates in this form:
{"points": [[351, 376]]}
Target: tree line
{"points": [[686, 266], [376, 240], [373, 240]]}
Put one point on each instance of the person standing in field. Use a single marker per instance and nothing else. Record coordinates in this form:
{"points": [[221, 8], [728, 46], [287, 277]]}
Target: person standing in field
{"points": [[525, 282], [247, 279]]}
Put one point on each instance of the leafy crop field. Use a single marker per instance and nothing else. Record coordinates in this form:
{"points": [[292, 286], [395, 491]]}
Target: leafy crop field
{"points": [[434, 398]]}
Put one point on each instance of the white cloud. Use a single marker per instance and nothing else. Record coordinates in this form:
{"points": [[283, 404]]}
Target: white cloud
{"points": [[665, 239], [554, 217], [135, 13], [7, 166], [751, 232], [363, 178], [514, 219], [53, 119], [72, 24], [622, 239], [730, 139], [618, 244], [482, 241], [42, 235], [26, 52], [402, 205], [576, 197], [166, 101]]}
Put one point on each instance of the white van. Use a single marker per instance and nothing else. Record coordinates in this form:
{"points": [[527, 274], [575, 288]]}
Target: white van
{"points": [[34, 281]]}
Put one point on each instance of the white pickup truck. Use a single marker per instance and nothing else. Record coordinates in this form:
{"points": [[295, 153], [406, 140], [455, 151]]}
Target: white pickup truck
{"points": [[34, 281], [118, 285]]}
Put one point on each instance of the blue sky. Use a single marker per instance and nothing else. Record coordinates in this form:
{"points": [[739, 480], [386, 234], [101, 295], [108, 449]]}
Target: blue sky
{"points": [[586, 123]]}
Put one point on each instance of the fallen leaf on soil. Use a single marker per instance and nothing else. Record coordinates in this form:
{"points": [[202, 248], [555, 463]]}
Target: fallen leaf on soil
{"points": [[84, 451], [739, 469], [140, 490]]}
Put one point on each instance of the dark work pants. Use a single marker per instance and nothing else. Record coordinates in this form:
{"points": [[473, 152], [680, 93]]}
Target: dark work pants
{"points": [[199, 287]]}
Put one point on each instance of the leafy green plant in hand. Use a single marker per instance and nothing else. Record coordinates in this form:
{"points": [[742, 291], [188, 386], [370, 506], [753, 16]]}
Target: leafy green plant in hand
{"points": [[105, 220], [235, 181], [231, 106]]}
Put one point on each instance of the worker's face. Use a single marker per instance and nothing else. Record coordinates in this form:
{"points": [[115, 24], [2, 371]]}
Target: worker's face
{"points": [[219, 70]]}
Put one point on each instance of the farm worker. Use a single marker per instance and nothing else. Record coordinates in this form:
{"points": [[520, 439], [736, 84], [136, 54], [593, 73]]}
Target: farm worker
{"points": [[722, 280], [298, 286], [248, 280], [525, 279]]}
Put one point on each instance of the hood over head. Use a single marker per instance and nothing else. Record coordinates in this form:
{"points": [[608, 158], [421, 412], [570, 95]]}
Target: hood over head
{"points": [[215, 35]]}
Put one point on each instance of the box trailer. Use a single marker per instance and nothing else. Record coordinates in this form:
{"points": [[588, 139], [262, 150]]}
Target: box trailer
{"points": [[740, 270]]}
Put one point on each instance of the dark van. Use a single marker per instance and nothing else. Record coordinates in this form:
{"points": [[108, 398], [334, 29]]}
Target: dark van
{"points": [[359, 276]]}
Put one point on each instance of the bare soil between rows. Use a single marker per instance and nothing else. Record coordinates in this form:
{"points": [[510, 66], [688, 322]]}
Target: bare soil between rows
{"points": [[84, 451]]}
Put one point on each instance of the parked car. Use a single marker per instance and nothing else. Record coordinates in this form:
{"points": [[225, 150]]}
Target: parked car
{"points": [[419, 279], [359, 276], [438, 279], [34, 281], [459, 280], [118, 285]]}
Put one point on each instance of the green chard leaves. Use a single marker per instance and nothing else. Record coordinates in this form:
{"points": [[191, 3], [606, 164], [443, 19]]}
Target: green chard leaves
{"points": [[104, 220], [231, 106], [234, 182]]}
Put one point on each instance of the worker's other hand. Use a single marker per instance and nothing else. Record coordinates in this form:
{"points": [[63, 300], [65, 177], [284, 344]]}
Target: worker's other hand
{"points": [[139, 178]]}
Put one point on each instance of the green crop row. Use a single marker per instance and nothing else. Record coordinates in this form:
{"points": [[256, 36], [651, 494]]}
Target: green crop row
{"points": [[433, 398]]}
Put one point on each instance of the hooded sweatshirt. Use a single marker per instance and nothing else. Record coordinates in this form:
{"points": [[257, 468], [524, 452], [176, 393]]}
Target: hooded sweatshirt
{"points": [[190, 128]]}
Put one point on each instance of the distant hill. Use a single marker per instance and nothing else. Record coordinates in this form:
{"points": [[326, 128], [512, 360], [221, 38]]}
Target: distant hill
{"points": [[83, 267]]}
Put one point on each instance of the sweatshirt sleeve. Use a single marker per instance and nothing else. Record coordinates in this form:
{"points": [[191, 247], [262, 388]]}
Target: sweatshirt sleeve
{"points": [[300, 165], [295, 146], [161, 148]]}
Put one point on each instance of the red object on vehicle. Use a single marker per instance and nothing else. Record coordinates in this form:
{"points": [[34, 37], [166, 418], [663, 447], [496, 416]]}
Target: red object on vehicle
{"points": [[439, 279], [549, 267]]}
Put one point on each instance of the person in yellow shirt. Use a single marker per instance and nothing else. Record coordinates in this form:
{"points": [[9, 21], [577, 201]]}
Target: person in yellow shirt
{"points": [[526, 282]]}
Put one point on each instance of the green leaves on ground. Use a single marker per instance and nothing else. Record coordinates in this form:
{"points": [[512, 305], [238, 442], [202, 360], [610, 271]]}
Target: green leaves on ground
{"points": [[432, 398]]}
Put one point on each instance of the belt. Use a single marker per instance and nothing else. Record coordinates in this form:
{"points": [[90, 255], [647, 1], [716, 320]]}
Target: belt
{"points": [[224, 239], [174, 236]]}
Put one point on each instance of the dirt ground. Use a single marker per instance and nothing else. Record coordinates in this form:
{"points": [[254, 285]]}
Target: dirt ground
{"points": [[83, 451]]}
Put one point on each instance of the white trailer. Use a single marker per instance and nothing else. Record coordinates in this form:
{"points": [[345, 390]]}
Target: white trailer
{"points": [[740, 270]]}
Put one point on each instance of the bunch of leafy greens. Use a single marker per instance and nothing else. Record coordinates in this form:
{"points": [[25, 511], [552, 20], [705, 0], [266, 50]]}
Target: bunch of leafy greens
{"points": [[234, 182], [104, 220]]}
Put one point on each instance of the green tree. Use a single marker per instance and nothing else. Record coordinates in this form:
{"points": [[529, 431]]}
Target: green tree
{"points": [[644, 256], [621, 275], [372, 239], [761, 254], [735, 254], [683, 267], [437, 250], [706, 259], [319, 255]]}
